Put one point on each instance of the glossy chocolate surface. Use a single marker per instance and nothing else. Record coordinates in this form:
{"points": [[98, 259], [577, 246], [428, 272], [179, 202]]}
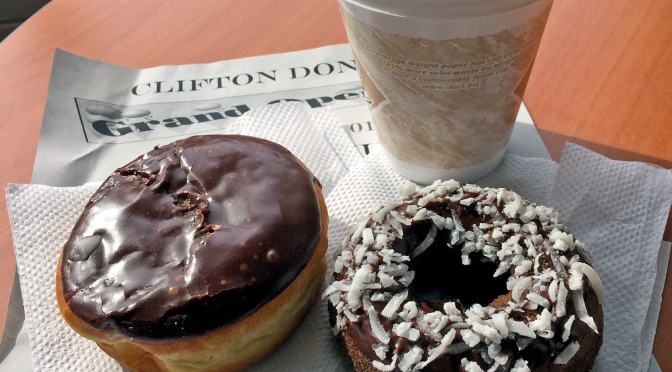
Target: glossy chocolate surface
{"points": [[191, 237]]}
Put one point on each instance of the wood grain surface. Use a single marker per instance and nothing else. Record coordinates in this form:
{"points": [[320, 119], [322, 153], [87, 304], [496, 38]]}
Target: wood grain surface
{"points": [[602, 79]]}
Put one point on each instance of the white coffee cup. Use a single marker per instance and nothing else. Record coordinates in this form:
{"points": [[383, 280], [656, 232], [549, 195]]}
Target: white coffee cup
{"points": [[444, 78]]}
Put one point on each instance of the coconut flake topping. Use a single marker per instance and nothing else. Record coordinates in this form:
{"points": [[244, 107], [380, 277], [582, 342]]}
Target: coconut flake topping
{"points": [[544, 262]]}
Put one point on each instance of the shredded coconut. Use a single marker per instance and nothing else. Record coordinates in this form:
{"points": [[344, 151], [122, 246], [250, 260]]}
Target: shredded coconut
{"points": [[567, 354], [410, 359], [470, 366], [576, 273], [378, 330], [567, 328], [391, 308], [544, 263]]}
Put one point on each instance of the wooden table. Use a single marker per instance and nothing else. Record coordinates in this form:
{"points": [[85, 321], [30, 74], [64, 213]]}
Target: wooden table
{"points": [[603, 76]]}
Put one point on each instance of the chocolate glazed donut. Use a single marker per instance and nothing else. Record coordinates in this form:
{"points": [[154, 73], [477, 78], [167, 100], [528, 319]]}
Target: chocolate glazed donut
{"points": [[451, 278], [194, 251]]}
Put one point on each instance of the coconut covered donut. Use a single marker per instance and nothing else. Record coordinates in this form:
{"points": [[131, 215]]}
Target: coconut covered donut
{"points": [[465, 278]]}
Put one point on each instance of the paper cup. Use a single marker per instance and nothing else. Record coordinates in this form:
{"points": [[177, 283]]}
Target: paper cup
{"points": [[444, 78]]}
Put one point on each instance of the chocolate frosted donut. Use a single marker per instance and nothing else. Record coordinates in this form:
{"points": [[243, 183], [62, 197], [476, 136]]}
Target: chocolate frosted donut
{"points": [[189, 241], [452, 278]]}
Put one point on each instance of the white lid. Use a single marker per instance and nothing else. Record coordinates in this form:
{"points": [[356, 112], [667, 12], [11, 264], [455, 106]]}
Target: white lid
{"points": [[440, 8]]}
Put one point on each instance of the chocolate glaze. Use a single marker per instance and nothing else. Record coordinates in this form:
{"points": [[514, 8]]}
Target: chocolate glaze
{"points": [[191, 237]]}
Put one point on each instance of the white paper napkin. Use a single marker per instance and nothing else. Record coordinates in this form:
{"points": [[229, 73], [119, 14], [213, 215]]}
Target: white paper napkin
{"points": [[618, 209], [314, 136]]}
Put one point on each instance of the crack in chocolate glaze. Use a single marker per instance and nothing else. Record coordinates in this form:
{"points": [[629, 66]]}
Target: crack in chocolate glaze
{"points": [[176, 243]]}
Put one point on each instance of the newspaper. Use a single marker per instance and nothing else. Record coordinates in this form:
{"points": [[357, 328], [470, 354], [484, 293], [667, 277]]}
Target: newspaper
{"points": [[100, 115]]}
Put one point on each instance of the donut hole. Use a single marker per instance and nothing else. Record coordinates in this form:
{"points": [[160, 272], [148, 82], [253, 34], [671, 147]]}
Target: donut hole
{"points": [[440, 275]]}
